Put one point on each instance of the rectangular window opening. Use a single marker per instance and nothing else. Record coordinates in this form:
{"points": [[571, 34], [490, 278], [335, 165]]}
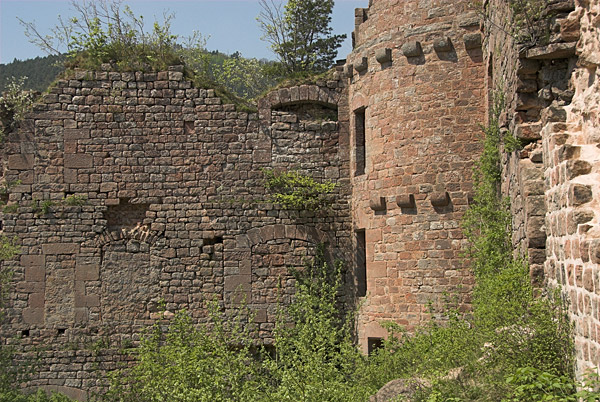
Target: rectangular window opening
{"points": [[373, 344], [361, 264], [360, 141]]}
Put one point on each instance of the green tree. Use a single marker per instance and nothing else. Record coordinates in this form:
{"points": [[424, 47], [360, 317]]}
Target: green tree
{"points": [[300, 34]]}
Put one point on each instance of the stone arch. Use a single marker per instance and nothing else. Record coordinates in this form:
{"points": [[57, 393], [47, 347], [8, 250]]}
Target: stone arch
{"points": [[253, 247]]}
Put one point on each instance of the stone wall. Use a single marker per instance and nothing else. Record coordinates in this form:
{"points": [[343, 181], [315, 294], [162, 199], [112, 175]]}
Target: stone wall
{"points": [[137, 189], [416, 102], [551, 106], [572, 173]]}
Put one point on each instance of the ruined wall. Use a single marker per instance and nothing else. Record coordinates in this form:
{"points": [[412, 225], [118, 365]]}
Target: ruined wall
{"points": [[138, 189], [551, 106], [573, 190], [416, 81]]}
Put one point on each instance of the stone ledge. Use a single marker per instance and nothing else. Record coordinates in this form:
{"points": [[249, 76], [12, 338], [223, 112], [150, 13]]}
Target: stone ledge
{"points": [[552, 51]]}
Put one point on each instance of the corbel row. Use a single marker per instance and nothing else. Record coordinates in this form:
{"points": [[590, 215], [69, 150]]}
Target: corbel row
{"points": [[412, 49], [438, 199]]}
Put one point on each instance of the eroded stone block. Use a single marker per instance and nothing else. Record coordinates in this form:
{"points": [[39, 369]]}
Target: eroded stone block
{"points": [[377, 203], [412, 49]]}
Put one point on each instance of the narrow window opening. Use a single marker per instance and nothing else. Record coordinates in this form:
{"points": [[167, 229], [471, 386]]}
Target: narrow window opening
{"points": [[373, 344], [61, 331], [25, 333], [360, 141], [361, 264]]}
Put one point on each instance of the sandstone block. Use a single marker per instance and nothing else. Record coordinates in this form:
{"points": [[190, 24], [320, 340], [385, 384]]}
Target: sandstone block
{"points": [[376, 269], [35, 273], [578, 167], [237, 282], [21, 162], [536, 233], [79, 161], [472, 40], [440, 198], [37, 300], [76, 134], [377, 203], [579, 194], [33, 261], [361, 64], [82, 300], [443, 45], [406, 201], [552, 51], [87, 272], [412, 49], [33, 315], [383, 55], [60, 248]]}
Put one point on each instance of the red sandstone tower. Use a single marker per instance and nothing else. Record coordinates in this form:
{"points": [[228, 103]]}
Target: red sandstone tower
{"points": [[417, 100]]}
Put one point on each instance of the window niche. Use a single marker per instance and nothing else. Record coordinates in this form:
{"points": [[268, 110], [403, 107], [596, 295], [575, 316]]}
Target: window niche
{"points": [[360, 141], [361, 263]]}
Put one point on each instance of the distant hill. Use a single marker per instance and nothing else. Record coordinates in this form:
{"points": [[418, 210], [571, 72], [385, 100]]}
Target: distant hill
{"points": [[40, 72]]}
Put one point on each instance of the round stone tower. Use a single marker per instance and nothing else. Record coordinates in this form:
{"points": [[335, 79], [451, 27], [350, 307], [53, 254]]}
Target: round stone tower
{"points": [[417, 100]]}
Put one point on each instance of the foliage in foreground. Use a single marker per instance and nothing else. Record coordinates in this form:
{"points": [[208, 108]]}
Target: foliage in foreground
{"points": [[218, 361]]}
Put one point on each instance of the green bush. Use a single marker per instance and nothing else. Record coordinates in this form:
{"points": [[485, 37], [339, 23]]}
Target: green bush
{"points": [[14, 103], [294, 190]]}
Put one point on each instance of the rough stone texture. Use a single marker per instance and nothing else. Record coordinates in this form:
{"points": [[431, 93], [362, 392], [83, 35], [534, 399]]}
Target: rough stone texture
{"points": [[174, 209], [175, 206], [552, 103], [422, 117]]}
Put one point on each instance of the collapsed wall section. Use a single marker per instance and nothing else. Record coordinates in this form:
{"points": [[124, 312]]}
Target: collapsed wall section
{"points": [[136, 192], [416, 104], [551, 102]]}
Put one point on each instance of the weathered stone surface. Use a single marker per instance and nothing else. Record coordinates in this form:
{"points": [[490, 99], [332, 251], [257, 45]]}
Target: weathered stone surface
{"points": [[411, 49], [60, 248], [440, 199], [21, 162], [472, 40], [406, 201], [552, 51], [579, 194], [361, 65], [78, 161], [377, 203], [383, 55], [443, 44]]}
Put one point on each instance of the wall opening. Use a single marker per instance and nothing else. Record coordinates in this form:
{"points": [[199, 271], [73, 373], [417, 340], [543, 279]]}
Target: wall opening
{"points": [[360, 141], [361, 263], [373, 344]]}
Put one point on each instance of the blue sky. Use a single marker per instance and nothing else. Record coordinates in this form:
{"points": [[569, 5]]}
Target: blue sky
{"points": [[231, 24]]}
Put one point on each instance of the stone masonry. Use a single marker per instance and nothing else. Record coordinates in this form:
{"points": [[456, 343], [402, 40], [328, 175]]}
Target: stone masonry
{"points": [[416, 78], [552, 102], [137, 189]]}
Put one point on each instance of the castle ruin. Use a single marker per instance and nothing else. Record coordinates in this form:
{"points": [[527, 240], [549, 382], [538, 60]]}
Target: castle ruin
{"points": [[175, 210]]}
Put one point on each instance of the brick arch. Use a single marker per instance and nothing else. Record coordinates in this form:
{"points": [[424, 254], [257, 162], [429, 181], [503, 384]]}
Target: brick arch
{"points": [[293, 232]]}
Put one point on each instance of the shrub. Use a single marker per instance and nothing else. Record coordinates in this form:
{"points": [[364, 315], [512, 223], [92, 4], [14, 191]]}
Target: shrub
{"points": [[14, 103], [294, 190]]}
